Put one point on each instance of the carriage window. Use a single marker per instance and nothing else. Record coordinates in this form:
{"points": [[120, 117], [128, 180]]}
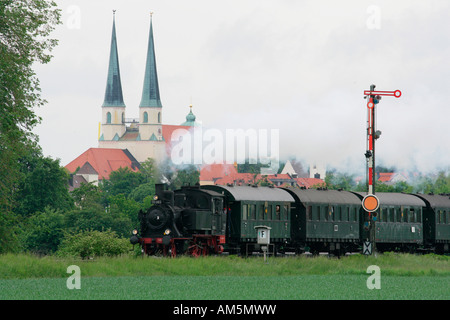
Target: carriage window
{"points": [[286, 212], [244, 212], [277, 212], [261, 212], [331, 213], [338, 214], [253, 211], [419, 215], [324, 213], [412, 215], [398, 215], [317, 213], [309, 213], [345, 214], [390, 213], [269, 212], [380, 215]]}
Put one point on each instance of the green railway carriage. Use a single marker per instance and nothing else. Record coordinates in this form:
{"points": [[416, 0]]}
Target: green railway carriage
{"points": [[398, 223], [325, 220], [207, 220], [436, 222], [250, 206]]}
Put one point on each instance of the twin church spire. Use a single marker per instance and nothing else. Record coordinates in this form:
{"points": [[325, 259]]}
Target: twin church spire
{"points": [[150, 91], [113, 94]]}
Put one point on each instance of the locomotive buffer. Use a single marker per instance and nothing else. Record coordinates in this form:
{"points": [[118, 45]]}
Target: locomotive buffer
{"points": [[370, 203]]}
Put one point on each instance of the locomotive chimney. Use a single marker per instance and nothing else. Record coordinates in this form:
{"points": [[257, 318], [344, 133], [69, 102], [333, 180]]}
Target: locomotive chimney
{"points": [[159, 190]]}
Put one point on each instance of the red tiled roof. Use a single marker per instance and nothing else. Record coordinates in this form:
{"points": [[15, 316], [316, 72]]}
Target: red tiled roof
{"points": [[223, 174], [104, 160], [308, 182], [385, 176], [278, 176], [215, 171]]}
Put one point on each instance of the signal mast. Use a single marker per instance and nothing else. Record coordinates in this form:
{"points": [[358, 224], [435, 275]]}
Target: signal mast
{"points": [[370, 202]]}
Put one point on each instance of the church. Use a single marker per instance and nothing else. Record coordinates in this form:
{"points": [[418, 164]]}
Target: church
{"points": [[144, 137], [127, 142]]}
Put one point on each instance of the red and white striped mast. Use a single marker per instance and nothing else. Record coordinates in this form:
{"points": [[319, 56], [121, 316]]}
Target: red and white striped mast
{"points": [[374, 97]]}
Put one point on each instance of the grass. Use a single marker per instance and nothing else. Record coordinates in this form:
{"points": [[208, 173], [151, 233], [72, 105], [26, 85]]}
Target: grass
{"points": [[28, 266], [403, 276]]}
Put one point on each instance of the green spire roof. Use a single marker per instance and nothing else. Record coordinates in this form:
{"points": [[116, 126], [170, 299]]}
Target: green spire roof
{"points": [[150, 92], [190, 119], [113, 94]]}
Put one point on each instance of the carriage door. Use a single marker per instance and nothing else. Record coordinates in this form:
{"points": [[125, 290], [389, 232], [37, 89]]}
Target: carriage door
{"points": [[218, 224]]}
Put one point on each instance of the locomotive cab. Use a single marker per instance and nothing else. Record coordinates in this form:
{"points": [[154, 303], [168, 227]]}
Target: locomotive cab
{"points": [[204, 211]]}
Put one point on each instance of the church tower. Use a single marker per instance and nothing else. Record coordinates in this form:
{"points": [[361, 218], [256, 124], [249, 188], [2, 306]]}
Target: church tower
{"points": [[113, 108], [142, 137], [150, 108]]}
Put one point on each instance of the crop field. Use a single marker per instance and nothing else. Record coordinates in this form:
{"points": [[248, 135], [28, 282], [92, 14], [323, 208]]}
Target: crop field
{"points": [[401, 277], [329, 287]]}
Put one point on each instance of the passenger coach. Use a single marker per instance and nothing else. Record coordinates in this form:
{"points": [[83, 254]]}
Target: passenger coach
{"points": [[250, 206], [325, 220]]}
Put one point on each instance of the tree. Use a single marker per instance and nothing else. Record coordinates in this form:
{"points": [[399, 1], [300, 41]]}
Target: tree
{"points": [[149, 171], [24, 29], [186, 176], [122, 181], [45, 231], [177, 176], [44, 184], [87, 195], [336, 180]]}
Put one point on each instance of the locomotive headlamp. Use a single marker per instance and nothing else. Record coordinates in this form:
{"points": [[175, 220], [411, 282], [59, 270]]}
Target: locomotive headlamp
{"points": [[167, 232], [135, 232], [155, 198]]}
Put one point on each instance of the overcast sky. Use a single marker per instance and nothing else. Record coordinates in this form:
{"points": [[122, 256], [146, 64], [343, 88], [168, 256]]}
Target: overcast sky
{"points": [[297, 66]]}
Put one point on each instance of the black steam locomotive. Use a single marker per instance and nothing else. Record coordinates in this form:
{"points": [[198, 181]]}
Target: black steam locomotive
{"points": [[210, 219], [189, 220]]}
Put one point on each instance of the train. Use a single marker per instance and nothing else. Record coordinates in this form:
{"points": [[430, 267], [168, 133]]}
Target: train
{"points": [[216, 219]]}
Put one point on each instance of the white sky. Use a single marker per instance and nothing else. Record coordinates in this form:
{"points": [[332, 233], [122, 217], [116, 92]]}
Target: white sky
{"points": [[297, 66]]}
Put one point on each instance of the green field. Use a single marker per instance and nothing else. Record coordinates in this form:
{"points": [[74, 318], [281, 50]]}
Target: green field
{"points": [[328, 287], [404, 277]]}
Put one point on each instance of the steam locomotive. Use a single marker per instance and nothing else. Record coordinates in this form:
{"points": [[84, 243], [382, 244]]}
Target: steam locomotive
{"points": [[212, 219]]}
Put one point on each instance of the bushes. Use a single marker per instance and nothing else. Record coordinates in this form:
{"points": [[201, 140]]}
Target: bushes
{"points": [[44, 231], [89, 244]]}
